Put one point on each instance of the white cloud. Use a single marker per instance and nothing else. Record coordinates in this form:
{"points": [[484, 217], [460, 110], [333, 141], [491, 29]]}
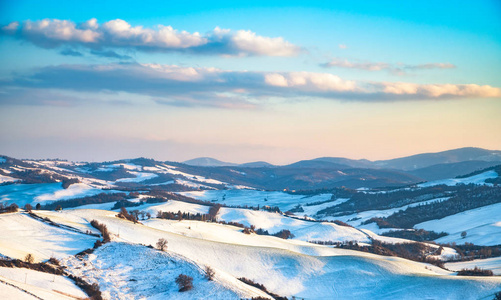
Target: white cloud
{"points": [[50, 33], [342, 46], [189, 86], [397, 69]]}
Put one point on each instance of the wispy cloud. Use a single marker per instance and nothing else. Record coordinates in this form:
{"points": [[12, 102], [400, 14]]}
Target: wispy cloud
{"points": [[187, 86], [70, 52], [396, 69], [52, 33]]}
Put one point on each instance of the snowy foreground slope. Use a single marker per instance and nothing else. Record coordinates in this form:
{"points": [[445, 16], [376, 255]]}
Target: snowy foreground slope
{"points": [[128, 271], [18, 283], [295, 268]]}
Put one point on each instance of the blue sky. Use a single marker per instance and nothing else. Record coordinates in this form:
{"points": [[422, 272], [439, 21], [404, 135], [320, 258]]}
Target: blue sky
{"points": [[280, 82]]}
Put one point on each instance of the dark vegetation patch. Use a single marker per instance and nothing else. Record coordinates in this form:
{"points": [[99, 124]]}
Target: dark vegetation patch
{"points": [[419, 235], [261, 287], [419, 252], [362, 201], [96, 199], [470, 251], [8, 209], [475, 272], [470, 197]]}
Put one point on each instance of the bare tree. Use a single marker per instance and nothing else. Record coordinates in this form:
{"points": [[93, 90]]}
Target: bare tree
{"points": [[29, 258], [28, 207], [162, 244]]}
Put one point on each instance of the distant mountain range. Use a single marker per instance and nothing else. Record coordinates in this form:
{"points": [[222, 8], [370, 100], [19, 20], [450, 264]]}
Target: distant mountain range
{"points": [[314, 174], [427, 166]]}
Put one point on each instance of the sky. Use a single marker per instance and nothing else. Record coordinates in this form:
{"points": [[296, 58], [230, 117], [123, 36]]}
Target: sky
{"points": [[248, 81]]}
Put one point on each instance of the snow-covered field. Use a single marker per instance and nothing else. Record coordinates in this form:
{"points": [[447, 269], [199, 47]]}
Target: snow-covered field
{"points": [[140, 176], [44, 193], [22, 234], [129, 271], [127, 268], [482, 226], [493, 264], [4, 179], [358, 218], [242, 197], [302, 269], [20, 283], [476, 179]]}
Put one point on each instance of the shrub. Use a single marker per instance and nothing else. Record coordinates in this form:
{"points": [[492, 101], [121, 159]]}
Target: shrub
{"points": [[184, 282], [209, 273], [284, 234], [54, 261]]}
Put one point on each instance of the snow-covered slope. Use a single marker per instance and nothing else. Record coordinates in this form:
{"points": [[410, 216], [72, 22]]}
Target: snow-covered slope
{"points": [[20, 283], [242, 197], [493, 264], [482, 226], [22, 234], [323, 273], [128, 271], [476, 179], [44, 193]]}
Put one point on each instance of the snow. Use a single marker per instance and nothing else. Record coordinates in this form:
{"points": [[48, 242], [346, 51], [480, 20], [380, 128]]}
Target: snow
{"points": [[127, 271], [22, 234], [476, 179], [140, 176], [22, 194], [43, 285], [175, 206], [311, 210], [76, 190], [2, 160], [130, 166], [44, 193], [192, 184], [302, 229], [241, 197], [4, 179], [358, 218], [172, 170], [493, 264], [302, 269], [482, 226]]}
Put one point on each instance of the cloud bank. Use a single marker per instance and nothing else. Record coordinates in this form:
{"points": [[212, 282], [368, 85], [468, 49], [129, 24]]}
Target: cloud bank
{"points": [[52, 33], [188, 86], [396, 69]]}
